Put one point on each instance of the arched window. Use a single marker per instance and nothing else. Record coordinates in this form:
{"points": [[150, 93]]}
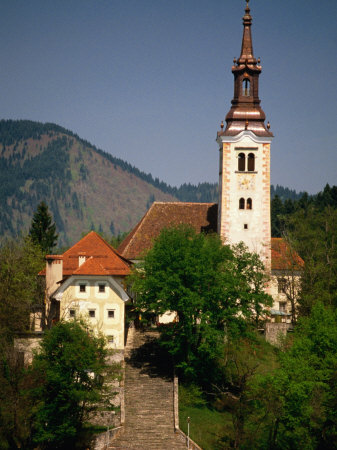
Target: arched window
{"points": [[242, 203], [246, 87], [249, 203], [241, 162], [251, 162]]}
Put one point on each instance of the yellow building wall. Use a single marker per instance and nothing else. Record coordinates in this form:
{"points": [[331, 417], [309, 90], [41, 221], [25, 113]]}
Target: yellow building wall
{"points": [[108, 306]]}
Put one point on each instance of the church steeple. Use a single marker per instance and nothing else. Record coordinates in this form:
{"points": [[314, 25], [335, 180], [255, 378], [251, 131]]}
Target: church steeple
{"points": [[246, 112], [244, 168]]}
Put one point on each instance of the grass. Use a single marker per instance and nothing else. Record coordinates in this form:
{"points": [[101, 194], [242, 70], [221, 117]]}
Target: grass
{"points": [[207, 425], [212, 428]]}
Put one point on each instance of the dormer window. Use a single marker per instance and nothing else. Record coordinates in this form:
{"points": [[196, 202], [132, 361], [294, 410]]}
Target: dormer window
{"points": [[241, 162], [246, 87], [251, 162]]}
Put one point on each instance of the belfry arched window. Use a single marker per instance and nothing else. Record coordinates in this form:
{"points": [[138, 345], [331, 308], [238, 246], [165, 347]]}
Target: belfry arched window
{"points": [[249, 203], [242, 203], [246, 87], [241, 162], [251, 162]]}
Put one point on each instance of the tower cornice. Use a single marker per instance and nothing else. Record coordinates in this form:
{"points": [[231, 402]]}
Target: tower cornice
{"points": [[222, 138]]}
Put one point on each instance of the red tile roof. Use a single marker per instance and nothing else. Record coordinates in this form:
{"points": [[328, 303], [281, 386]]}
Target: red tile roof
{"points": [[201, 216], [283, 257], [100, 258]]}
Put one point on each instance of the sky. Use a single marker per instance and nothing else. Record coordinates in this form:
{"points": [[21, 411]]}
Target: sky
{"points": [[150, 80]]}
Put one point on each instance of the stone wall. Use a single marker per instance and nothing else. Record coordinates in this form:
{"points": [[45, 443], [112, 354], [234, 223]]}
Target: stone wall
{"points": [[274, 332], [27, 344]]}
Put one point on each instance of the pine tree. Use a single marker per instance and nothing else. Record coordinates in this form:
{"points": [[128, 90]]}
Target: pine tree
{"points": [[42, 230]]}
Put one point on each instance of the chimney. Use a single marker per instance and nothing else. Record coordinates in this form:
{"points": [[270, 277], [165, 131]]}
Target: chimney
{"points": [[81, 258]]}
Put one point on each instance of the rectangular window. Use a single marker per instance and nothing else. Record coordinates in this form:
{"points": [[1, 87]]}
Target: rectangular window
{"points": [[92, 313], [72, 313], [110, 339], [82, 287], [101, 288], [245, 226], [111, 313], [283, 306], [281, 285]]}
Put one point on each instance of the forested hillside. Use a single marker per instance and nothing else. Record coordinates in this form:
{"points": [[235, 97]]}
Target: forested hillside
{"points": [[85, 188]]}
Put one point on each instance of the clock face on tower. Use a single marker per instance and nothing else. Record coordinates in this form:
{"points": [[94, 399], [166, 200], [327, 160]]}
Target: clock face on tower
{"points": [[246, 183]]}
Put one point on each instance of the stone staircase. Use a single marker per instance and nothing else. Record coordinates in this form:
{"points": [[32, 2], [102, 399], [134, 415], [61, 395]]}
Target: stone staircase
{"points": [[149, 410]]}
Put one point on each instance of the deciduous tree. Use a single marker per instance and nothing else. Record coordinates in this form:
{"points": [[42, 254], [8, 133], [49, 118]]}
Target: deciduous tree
{"points": [[209, 287], [68, 370]]}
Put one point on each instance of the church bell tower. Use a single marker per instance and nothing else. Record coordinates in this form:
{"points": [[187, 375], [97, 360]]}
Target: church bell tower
{"points": [[244, 144]]}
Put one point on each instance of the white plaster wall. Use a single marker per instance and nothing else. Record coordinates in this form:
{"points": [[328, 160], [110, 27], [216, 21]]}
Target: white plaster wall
{"points": [[255, 185], [280, 297]]}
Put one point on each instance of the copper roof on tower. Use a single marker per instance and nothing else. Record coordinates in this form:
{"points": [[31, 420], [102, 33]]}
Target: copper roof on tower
{"points": [[246, 112]]}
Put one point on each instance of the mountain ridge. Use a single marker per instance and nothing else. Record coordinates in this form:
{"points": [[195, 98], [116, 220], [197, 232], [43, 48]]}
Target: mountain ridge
{"points": [[85, 187]]}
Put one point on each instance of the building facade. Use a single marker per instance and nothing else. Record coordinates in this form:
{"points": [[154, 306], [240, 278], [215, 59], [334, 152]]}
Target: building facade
{"points": [[87, 282]]}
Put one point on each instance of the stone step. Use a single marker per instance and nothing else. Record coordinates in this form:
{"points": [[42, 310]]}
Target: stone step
{"points": [[149, 415]]}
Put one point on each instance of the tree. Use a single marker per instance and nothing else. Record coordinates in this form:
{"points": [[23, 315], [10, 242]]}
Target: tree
{"points": [[20, 288], [277, 211], [207, 285], [313, 233], [20, 291], [68, 371], [42, 230], [302, 391]]}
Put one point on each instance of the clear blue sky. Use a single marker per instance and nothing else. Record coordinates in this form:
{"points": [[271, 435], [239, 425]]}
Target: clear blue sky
{"points": [[150, 80]]}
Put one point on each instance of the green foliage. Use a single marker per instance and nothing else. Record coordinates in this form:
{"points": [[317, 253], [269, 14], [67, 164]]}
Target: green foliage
{"points": [[226, 416], [42, 230], [297, 403], [16, 408], [68, 370], [20, 291], [209, 286], [313, 233], [207, 424], [285, 193], [20, 287]]}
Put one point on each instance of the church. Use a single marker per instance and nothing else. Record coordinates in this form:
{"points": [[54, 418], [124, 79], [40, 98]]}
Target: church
{"points": [[243, 210]]}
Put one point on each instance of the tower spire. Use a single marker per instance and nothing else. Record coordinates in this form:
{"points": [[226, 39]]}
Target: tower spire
{"points": [[247, 44], [246, 112]]}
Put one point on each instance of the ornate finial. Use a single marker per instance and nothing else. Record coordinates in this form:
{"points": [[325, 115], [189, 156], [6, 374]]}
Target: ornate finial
{"points": [[222, 125], [258, 60], [234, 60], [268, 125]]}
